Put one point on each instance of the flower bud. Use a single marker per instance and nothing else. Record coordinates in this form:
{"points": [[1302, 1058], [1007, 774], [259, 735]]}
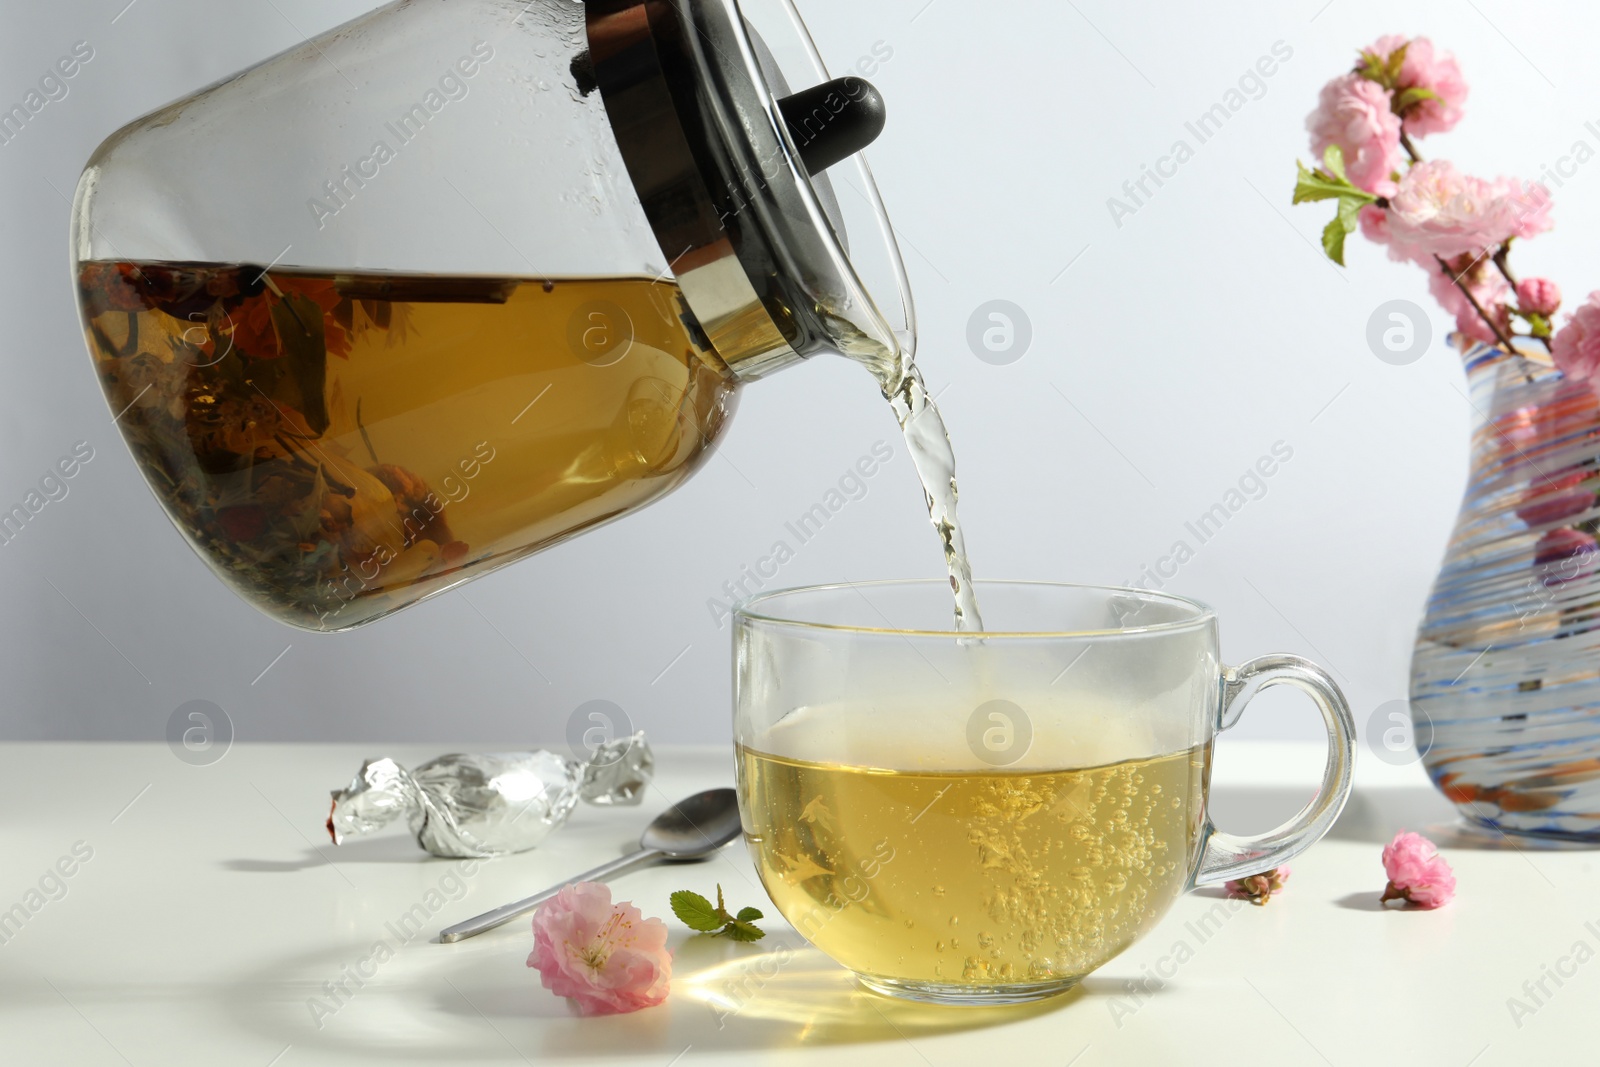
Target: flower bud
{"points": [[1538, 296]]}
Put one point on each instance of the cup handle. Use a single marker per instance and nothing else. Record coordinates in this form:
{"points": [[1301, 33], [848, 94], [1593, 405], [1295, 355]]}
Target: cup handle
{"points": [[1226, 856]]}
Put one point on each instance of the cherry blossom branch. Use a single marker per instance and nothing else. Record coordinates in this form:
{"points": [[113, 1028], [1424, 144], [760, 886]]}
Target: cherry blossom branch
{"points": [[1498, 258], [1411, 149], [1499, 261], [1466, 291]]}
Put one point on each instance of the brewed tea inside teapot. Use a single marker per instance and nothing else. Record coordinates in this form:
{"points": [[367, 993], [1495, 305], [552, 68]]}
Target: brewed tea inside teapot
{"points": [[463, 278]]}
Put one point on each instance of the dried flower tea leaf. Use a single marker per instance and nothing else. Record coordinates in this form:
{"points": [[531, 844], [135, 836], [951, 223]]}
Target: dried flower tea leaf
{"points": [[302, 339]]}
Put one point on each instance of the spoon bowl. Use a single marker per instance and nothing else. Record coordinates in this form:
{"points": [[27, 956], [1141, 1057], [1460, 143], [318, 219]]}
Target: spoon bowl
{"points": [[694, 827]]}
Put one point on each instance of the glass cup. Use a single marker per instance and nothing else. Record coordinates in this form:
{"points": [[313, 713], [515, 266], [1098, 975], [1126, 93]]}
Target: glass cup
{"points": [[986, 818]]}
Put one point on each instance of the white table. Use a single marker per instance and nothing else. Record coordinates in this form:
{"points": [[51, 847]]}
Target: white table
{"points": [[212, 910]]}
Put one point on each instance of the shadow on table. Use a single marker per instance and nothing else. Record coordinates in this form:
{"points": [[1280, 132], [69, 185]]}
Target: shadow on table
{"points": [[725, 996], [388, 848]]}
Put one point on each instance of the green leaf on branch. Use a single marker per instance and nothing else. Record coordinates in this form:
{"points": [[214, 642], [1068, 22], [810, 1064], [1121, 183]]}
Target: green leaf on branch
{"points": [[1411, 97], [1330, 182], [1538, 325], [1397, 59], [1327, 184], [699, 914], [1333, 235], [1371, 67], [1385, 70], [1339, 227], [1314, 185], [1333, 162]]}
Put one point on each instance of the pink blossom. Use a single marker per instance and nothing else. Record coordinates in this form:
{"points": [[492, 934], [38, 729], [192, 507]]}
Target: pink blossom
{"points": [[1538, 296], [1424, 68], [1576, 346], [1441, 211], [608, 958], [1354, 114], [1374, 224], [1258, 888], [1524, 207], [1417, 873]]}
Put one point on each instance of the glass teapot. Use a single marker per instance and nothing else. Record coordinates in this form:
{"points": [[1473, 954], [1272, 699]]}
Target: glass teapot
{"points": [[462, 278]]}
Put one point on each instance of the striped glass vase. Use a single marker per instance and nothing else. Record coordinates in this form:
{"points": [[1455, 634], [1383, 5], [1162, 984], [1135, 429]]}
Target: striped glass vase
{"points": [[1505, 679]]}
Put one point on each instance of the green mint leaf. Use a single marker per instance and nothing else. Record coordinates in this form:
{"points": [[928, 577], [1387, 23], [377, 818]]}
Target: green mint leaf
{"points": [[698, 913], [695, 911]]}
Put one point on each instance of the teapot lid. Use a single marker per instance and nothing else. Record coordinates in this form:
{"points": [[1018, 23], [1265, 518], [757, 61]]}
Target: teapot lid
{"points": [[729, 168]]}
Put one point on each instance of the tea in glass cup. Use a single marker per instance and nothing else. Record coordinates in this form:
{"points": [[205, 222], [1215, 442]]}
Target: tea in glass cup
{"points": [[986, 818]]}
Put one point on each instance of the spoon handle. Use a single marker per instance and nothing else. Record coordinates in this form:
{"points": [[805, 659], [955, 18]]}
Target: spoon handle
{"points": [[506, 912]]}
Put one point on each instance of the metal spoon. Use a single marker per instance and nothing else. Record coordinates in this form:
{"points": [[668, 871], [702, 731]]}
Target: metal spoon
{"points": [[691, 829]]}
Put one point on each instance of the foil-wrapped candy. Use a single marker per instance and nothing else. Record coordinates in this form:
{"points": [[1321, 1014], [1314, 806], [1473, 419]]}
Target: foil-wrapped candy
{"points": [[468, 806]]}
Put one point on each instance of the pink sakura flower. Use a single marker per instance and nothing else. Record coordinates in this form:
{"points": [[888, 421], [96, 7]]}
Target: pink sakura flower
{"points": [[1524, 207], [1538, 296], [1354, 114], [1375, 224], [1437, 210], [1425, 68], [1417, 873], [1258, 888], [1441, 211], [609, 958], [1576, 346]]}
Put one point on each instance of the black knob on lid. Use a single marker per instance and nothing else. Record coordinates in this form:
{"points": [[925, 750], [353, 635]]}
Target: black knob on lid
{"points": [[833, 120]]}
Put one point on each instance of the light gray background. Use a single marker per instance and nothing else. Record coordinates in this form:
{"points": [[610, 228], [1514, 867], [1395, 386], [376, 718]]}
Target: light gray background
{"points": [[1168, 354]]}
